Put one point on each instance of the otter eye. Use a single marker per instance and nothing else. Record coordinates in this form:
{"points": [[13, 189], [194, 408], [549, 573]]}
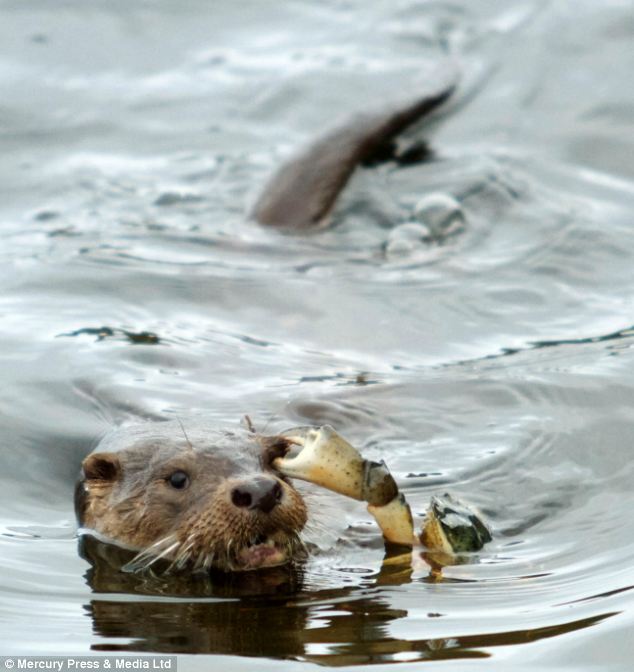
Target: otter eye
{"points": [[178, 480]]}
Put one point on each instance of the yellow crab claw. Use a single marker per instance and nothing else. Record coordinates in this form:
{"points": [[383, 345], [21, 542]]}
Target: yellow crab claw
{"points": [[325, 458]]}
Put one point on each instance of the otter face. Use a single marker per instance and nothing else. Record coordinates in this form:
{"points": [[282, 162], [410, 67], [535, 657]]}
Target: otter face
{"points": [[212, 503]]}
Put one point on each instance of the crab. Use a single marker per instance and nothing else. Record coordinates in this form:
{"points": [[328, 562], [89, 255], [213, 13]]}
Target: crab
{"points": [[322, 457]]}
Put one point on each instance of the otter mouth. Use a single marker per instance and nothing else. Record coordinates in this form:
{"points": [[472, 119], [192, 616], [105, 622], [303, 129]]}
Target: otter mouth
{"points": [[262, 551], [266, 550], [169, 555]]}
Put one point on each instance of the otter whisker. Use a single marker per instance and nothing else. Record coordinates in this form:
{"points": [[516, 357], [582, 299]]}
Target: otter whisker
{"points": [[317, 528], [146, 558], [196, 558], [203, 561], [249, 424], [160, 556], [156, 546], [189, 443], [180, 561], [297, 542], [183, 560], [182, 555], [167, 551], [295, 545]]}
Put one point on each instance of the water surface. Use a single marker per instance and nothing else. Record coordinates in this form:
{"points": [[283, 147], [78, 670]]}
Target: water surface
{"points": [[494, 362]]}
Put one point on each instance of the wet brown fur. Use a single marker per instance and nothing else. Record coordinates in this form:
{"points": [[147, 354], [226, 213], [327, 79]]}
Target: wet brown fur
{"points": [[126, 497]]}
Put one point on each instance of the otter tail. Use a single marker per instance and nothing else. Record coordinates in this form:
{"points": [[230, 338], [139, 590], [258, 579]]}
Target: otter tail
{"points": [[302, 193]]}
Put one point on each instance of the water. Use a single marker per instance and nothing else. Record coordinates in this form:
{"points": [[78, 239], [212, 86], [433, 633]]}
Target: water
{"points": [[494, 362]]}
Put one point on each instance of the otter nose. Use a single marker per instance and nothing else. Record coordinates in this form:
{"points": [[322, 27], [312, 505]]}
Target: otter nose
{"points": [[261, 493]]}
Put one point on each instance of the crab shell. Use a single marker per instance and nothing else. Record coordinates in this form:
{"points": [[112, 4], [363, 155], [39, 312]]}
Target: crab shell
{"points": [[450, 530]]}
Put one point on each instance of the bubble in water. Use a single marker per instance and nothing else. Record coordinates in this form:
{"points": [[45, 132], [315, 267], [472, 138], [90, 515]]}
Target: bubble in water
{"points": [[435, 217], [440, 213], [405, 239]]}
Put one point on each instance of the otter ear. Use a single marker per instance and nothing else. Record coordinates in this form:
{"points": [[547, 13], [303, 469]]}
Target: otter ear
{"points": [[101, 466]]}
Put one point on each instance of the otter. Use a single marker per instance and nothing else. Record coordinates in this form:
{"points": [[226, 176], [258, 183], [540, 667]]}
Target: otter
{"points": [[302, 193], [200, 499], [211, 498]]}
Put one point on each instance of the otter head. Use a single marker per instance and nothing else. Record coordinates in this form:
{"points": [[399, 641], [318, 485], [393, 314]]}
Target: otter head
{"points": [[208, 500]]}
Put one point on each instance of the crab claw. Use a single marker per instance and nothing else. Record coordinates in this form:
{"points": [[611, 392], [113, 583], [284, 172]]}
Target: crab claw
{"points": [[395, 521], [325, 458]]}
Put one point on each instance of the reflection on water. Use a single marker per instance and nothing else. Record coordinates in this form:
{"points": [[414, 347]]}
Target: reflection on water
{"points": [[492, 359], [349, 632], [272, 613]]}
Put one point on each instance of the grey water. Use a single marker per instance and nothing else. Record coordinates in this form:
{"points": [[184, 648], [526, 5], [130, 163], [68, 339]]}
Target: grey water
{"points": [[493, 360]]}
